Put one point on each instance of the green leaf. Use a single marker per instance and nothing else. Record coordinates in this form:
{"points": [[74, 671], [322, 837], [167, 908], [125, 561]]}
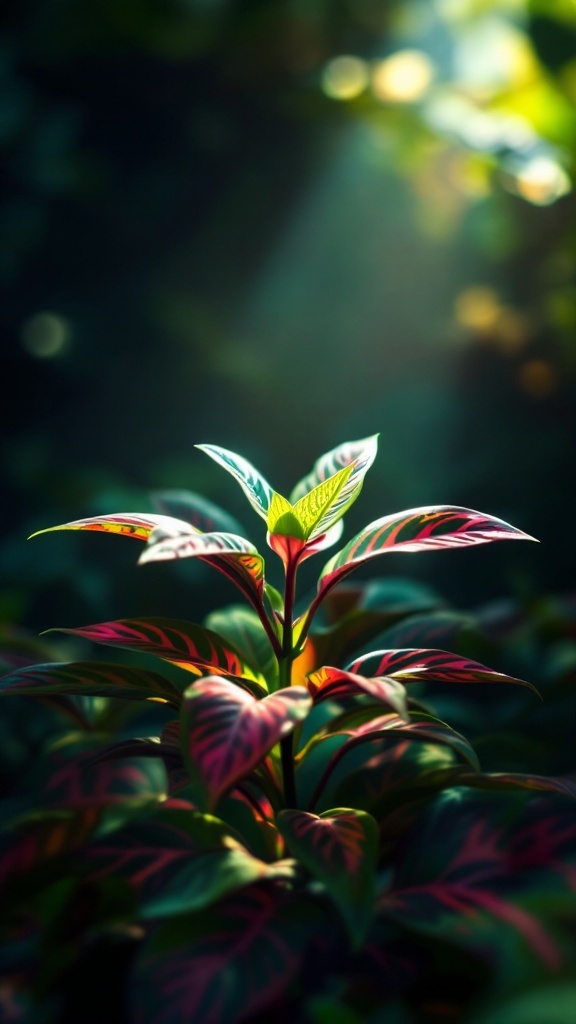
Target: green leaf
{"points": [[226, 732], [255, 487], [193, 508], [322, 507], [282, 518], [340, 848], [229, 964], [94, 679], [183, 643], [358, 454], [242, 628]]}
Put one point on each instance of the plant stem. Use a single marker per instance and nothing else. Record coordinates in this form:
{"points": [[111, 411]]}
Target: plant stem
{"points": [[285, 679]]}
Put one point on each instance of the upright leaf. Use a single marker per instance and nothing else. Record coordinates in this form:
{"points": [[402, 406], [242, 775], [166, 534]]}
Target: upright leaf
{"points": [[325, 505], [358, 454], [227, 732], [242, 628], [183, 643], [418, 665], [340, 848], [419, 529], [255, 487]]}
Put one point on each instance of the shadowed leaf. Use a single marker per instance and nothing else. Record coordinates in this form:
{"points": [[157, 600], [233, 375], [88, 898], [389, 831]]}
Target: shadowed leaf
{"points": [[340, 848], [94, 679]]}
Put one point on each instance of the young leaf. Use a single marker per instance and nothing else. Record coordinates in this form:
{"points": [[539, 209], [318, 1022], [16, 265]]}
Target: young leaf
{"points": [[226, 732], [255, 487], [329, 683], [182, 643], [340, 848], [418, 665], [358, 454], [282, 519], [419, 529], [318, 510], [94, 679]]}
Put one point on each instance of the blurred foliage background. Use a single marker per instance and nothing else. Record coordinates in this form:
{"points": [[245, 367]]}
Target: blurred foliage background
{"points": [[275, 227]]}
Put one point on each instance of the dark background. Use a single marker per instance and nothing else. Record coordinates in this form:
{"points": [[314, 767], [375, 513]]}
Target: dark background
{"points": [[213, 229]]}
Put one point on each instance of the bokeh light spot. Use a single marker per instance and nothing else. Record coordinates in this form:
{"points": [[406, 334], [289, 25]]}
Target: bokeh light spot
{"points": [[478, 308], [405, 77], [537, 378], [45, 335], [542, 181], [344, 78]]}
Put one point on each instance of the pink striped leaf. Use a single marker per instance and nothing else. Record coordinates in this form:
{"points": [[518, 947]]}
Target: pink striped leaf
{"points": [[340, 849], [231, 963], [92, 679], [329, 683], [418, 529], [227, 732], [413, 664], [126, 524], [240, 562], [183, 643], [476, 873], [232, 555]]}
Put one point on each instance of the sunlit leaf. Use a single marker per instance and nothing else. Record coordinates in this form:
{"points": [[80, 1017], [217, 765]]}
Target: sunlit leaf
{"points": [[226, 964], [358, 454], [418, 665], [233, 556], [227, 732], [127, 524], [242, 628], [419, 529], [340, 848], [255, 487], [318, 510], [282, 519], [94, 679], [334, 683], [183, 643]]}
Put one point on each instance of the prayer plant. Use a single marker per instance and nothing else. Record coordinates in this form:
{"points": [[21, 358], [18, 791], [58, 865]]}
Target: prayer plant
{"points": [[303, 832]]}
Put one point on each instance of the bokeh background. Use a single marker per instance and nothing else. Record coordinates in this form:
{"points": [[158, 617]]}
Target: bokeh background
{"points": [[276, 227]]}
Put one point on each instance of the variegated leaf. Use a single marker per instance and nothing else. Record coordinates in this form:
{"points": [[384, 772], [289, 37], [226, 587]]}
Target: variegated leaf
{"points": [[127, 524], [233, 556], [227, 732], [340, 848], [418, 529], [183, 643], [418, 665], [329, 683], [358, 454], [477, 871], [229, 964], [325, 505], [94, 679], [255, 487]]}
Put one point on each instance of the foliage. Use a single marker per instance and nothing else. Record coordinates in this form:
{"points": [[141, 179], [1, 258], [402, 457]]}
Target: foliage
{"points": [[303, 821]]}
